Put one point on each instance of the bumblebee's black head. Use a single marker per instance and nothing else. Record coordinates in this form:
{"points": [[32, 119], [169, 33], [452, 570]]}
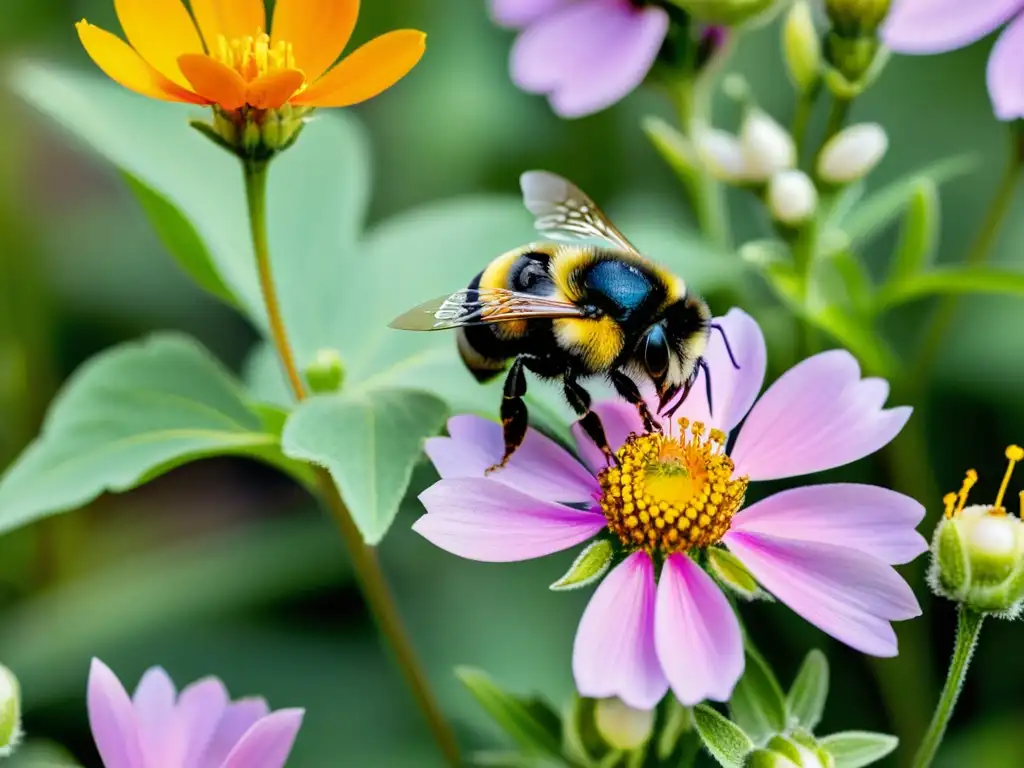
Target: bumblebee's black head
{"points": [[670, 349]]}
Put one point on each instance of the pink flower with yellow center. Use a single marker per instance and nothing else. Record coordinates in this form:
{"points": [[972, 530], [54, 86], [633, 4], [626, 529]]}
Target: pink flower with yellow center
{"points": [[658, 620], [224, 53]]}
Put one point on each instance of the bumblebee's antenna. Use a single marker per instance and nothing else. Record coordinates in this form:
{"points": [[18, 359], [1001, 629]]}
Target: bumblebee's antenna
{"points": [[728, 349], [702, 363]]}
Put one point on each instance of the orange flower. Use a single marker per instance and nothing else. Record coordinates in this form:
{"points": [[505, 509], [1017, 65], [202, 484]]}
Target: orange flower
{"points": [[226, 58]]}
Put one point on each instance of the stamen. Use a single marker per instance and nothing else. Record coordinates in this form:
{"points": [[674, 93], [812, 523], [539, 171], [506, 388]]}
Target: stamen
{"points": [[949, 500], [1014, 453], [969, 481]]}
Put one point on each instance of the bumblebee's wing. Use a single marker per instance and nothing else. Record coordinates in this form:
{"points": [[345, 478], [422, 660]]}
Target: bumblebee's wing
{"points": [[481, 306], [563, 211]]}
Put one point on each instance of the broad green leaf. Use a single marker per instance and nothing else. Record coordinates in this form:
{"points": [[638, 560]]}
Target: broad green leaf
{"points": [[951, 280], [882, 208], [809, 692], [194, 194], [369, 441], [125, 417], [919, 237], [725, 740], [854, 749], [531, 733], [758, 705]]}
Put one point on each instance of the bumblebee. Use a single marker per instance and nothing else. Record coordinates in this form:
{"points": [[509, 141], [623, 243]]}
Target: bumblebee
{"points": [[568, 311]]}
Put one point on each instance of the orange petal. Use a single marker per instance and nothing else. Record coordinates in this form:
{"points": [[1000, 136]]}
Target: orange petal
{"points": [[273, 90], [213, 80], [123, 65], [371, 69], [160, 30], [231, 18], [318, 30]]}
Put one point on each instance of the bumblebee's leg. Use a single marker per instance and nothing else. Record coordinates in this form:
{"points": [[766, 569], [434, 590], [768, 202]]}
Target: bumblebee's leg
{"points": [[626, 388], [514, 417], [579, 401]]}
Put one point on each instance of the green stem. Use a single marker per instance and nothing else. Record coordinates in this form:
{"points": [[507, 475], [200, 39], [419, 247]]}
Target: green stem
{"points": [[836, 118], [364, 558], [802, 119], [967, 631], [705, 191], [980, 250]]}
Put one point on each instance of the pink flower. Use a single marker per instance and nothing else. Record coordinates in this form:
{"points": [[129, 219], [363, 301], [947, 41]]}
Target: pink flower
{"points": [[200, 728], [584, 55], [824, 550], [936, 26]]}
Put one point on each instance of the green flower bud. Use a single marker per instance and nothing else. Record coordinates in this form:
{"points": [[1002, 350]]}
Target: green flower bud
{"points": [[621, 726], [802, 47], [326, 373], [978, 550], [726, 12], [10, 712], [857, 18], [787, 752]]}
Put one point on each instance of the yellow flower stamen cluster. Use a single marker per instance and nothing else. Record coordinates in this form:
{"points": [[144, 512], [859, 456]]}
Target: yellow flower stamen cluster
{"points": [[955, 502], [253, 57], [672, 494]]}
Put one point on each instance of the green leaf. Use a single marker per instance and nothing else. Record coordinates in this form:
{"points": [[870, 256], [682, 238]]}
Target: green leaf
{"points": [[919, 238], [580, 739], [125, 417], [590, 565], [883, 207], [41, 754], [369, 442], [675, 149], [758, 705], [495, 759], [853, 749], [809, 692], [853, 274], [678, 723], [725, 740], [732, 574], [532, 734], [954, 280]]}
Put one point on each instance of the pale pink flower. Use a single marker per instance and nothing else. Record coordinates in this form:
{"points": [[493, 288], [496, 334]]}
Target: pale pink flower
{"points": [[824, 550], [200, 728], [936, 26]]}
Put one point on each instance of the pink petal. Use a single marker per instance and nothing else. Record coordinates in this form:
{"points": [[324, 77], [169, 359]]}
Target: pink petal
{"points": [[484, 520], [697, 634], [589, 54], [820, 414], [540, 468], [238, 718], [200, 708], [935, 26], [268, 743], [112, 719], [154, 704], [848, 594], [876, 521], [614, 651], [516, 14], [733, 390], [618, 419], [1006, 72]]}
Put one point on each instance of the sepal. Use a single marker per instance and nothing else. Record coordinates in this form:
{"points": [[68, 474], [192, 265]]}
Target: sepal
{"points": [[590, 565]]}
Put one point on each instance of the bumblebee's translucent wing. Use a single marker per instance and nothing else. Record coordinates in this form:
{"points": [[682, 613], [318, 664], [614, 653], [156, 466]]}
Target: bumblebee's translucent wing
{"points": [[563, 211], [481, 307]]}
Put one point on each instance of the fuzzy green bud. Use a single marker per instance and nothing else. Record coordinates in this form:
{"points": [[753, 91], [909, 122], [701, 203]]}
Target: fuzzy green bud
{"points": [[10, 712], [621, 726], [786, 752], [326, 373], [857, 18], [802, 47], [254, 134], [978, 551], [726, 12]]}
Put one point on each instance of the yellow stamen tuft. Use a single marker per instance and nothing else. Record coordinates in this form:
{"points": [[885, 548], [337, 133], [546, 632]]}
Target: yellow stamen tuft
{"points": [[969, 482], [672, 494], [949, 500], [254, 57], [1014, 453]]}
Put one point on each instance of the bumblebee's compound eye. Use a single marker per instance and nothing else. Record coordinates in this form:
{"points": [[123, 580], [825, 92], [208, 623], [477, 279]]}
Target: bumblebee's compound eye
{"points": [[656, 354]]}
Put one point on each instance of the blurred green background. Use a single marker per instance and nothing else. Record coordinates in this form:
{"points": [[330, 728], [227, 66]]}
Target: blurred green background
{"points": [[224, 567]]}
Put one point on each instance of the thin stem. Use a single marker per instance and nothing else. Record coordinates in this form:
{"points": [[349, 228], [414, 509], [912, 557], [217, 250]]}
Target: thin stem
{"points": [[802, 119], [836, 117], [980, 250], [967, 631], [364, 559], [705, 191]]}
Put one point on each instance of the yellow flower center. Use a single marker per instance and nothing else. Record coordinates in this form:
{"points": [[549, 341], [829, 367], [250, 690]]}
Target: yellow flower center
{"points": [[253, 57], [672, 494], [955, 502]]}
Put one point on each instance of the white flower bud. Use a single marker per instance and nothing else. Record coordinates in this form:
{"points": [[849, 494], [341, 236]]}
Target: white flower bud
{"points": [[721, 153], [852, 153], [10, 712], [792, 198], [767, 146], [622, 726]]}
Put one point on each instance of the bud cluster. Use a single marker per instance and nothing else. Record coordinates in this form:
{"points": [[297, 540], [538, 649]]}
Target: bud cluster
{"points": [[794, 751], [978, 550], [255, 134], [853, 51]]}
